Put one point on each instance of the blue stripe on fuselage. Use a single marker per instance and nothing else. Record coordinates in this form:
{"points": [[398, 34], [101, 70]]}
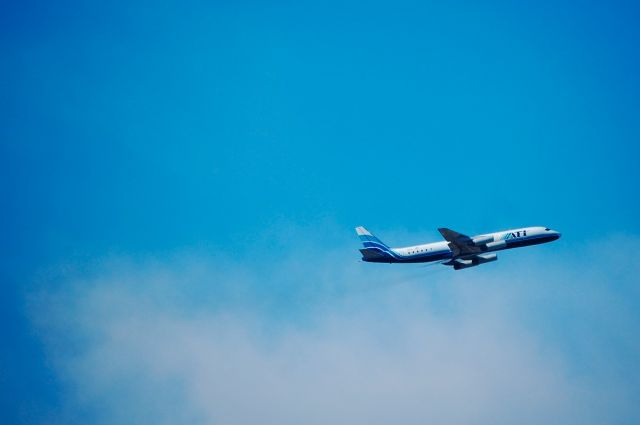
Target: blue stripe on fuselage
{"points": [[530, 240], [392, 256]]}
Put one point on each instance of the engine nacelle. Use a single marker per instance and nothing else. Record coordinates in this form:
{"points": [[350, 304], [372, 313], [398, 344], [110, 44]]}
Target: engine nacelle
{"points": [[460, 263], [482, 240], [463, 264], [496, 245], [486, 258]]}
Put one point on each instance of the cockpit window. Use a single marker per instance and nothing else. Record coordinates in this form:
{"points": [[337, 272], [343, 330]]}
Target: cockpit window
{"points": [[546, 229]]}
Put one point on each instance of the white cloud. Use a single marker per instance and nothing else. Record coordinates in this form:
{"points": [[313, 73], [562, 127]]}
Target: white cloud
{"points": [[202, 340]]}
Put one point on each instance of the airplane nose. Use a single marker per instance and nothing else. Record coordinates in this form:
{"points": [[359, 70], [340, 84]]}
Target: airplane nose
{"points": [[558, 234]]}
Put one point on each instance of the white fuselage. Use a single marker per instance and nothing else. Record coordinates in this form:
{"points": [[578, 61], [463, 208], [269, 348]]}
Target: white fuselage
{"points": [[506, 239]]}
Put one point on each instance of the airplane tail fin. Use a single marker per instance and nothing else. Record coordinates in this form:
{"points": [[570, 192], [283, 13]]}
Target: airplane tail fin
{"points": [[368, 239], [374, 249]]}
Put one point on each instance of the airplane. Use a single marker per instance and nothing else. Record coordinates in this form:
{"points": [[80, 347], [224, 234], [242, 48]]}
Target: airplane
{"points": [[457, 250]]}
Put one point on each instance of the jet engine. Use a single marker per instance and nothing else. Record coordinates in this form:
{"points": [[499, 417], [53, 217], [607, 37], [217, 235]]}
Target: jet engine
{"points": [[482, 240], [461, 263], [496, 245], [486, 258]]}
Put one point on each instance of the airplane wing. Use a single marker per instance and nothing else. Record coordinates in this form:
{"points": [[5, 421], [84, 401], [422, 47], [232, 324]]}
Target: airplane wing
{"points": [[460, 244]]}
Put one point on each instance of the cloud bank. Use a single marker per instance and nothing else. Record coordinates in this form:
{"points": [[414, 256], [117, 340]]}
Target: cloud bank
{"points": [[196, 338]]}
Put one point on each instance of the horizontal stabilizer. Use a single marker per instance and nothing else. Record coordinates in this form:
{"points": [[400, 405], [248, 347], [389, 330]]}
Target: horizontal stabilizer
{"points": [[369, 254]]}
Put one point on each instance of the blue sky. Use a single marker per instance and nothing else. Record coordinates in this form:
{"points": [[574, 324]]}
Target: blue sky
{"points": [[239, 137]]}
